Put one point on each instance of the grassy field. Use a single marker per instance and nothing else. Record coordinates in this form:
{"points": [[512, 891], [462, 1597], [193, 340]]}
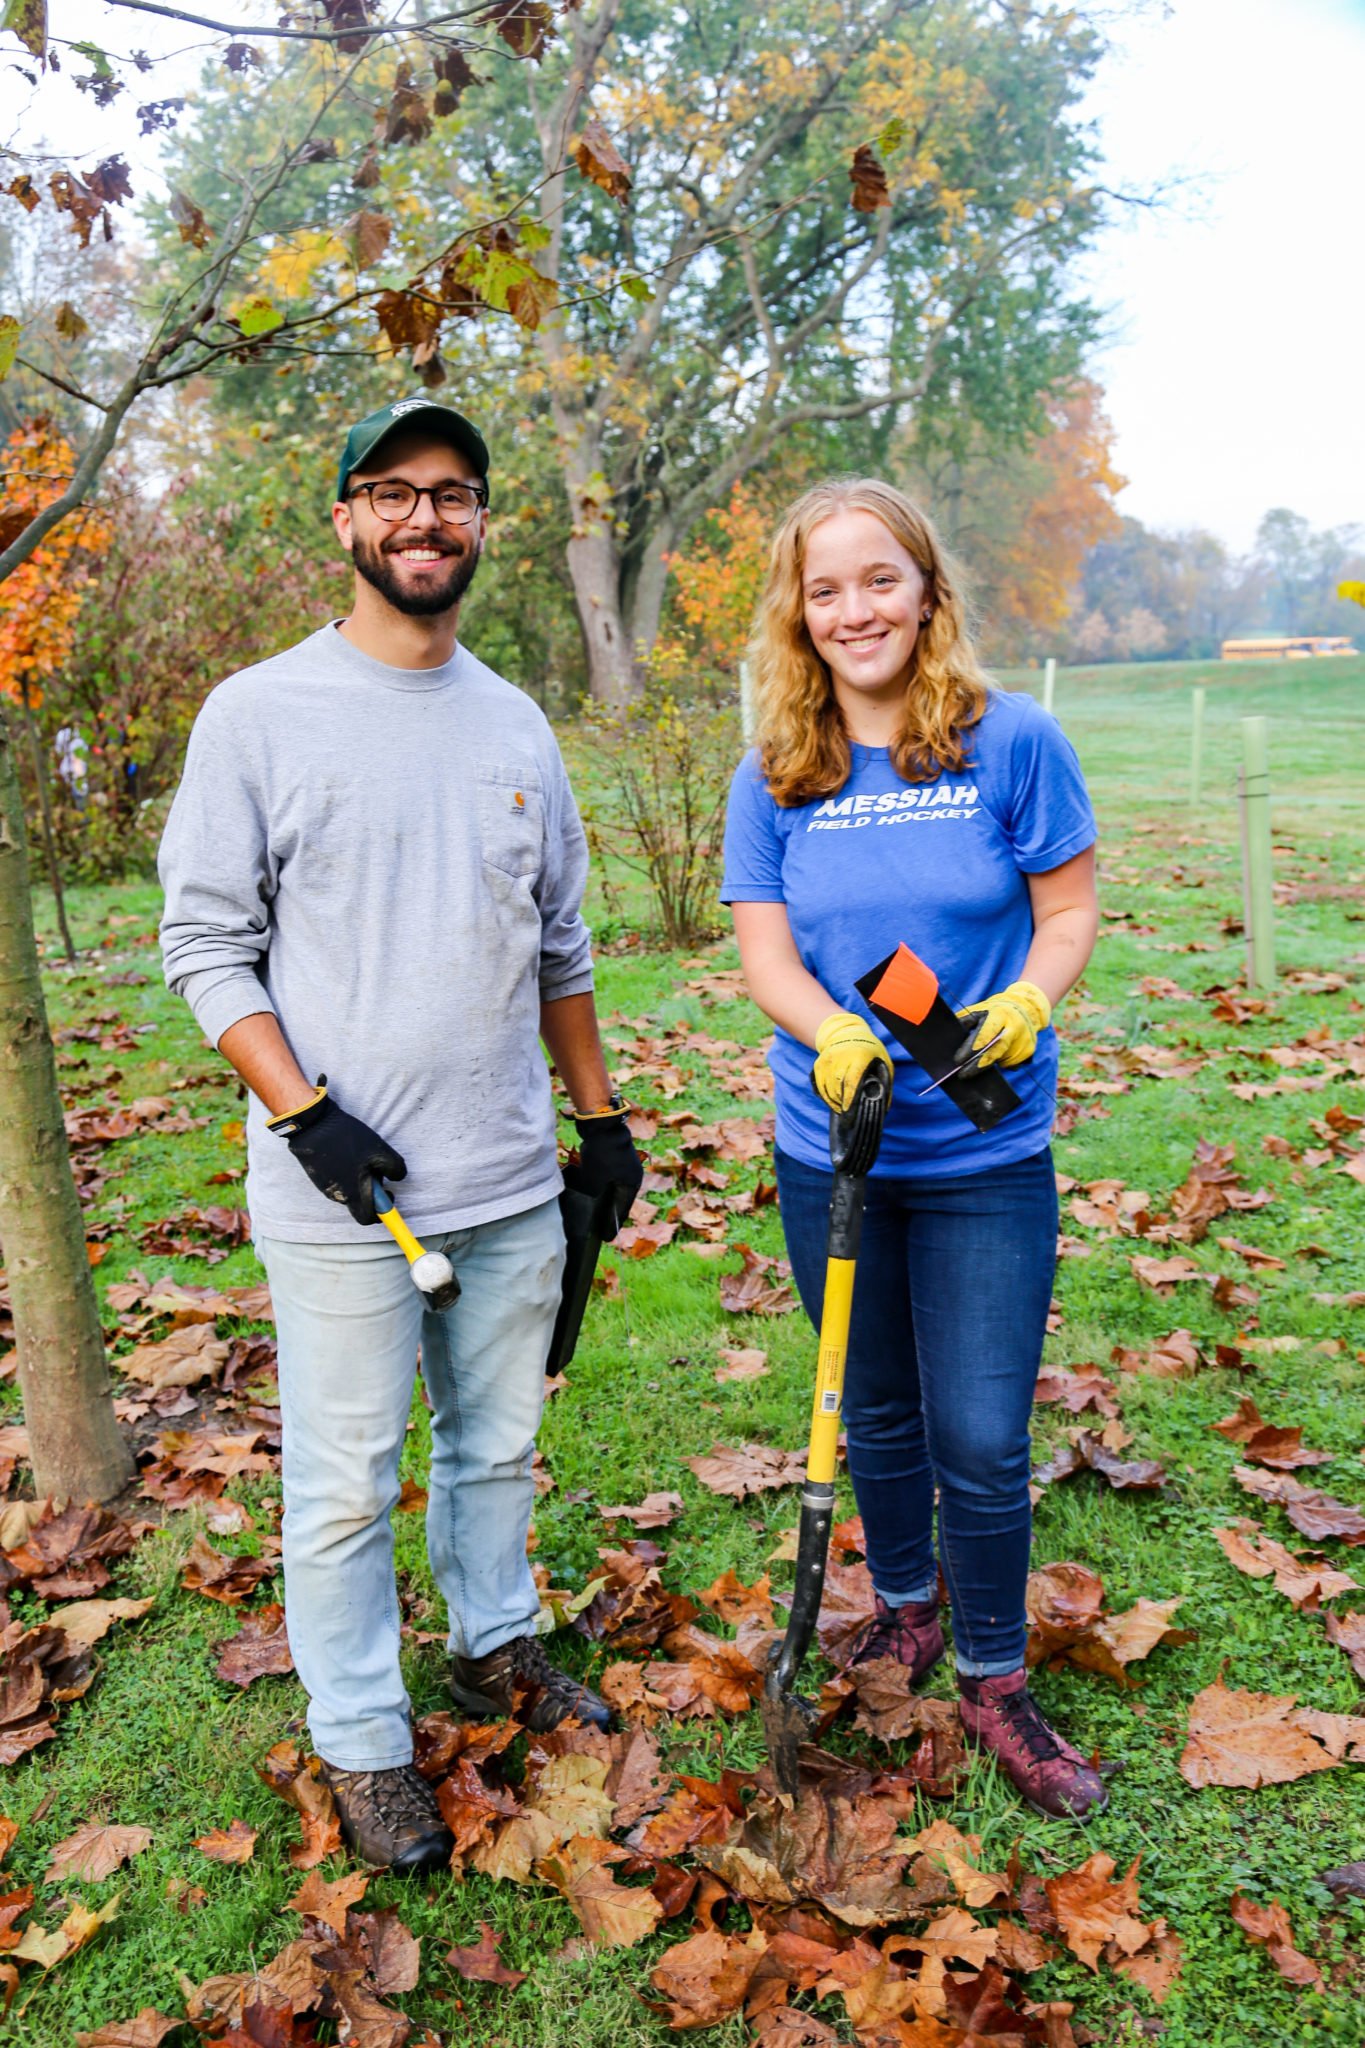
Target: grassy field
{"points": [[160, 1741]]}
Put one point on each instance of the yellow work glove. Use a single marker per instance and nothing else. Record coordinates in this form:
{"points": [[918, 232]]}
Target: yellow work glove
{"points": [[1017, 1015], [846, 1047]]}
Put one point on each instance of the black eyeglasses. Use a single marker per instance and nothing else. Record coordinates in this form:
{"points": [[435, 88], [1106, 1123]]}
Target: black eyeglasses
{"points": [[394, 501]]}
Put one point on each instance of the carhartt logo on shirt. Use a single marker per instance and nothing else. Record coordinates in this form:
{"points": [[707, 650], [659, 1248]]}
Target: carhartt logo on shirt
{"points": [[939, 804]]}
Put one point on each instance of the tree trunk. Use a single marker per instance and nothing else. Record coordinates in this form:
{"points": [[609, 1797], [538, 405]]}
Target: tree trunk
{"points": [[651, 580], [594, 561], [75, 1445], [595, 573], [49, 838]]}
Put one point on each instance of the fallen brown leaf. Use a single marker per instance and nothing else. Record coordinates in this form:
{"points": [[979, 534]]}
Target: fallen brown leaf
{"points": [[1085, 1387], [1173, 1357], [1093, 1911], [1306, 1579], [220, 1577], [86, 1621], [1313, 1513], [637, 1782], [148, 2029], [655, 1511], [480, 1964], [1161, 1275], [1062, 1601], [746, 1469], [182, 1359], [611, 1915], [233, 1844], [1252, 1739], [1088, 1450], [93, 1852], [735, 1602], [696, 1810], [259, 1649], [760, 1289], [707, 1977], [1280, 1448], [294, 1779], [741, 1364], [1155, 1967], [329, 1900], [81, 1924], [1269, 1926], [1347, 1631]]}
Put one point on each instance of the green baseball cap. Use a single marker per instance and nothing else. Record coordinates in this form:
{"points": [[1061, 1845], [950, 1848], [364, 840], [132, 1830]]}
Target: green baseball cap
{"points": [[441, 421]]}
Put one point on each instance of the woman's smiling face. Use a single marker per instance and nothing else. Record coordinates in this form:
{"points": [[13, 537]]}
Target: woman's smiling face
{"points": [[865, 598]]}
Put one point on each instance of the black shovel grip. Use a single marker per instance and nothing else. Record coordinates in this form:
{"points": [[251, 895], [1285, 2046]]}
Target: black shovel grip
{"points": [[854, 1137]]}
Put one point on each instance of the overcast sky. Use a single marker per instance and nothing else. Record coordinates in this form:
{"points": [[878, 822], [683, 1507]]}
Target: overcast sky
{"points": [[1234, 373], [1233, 348]]}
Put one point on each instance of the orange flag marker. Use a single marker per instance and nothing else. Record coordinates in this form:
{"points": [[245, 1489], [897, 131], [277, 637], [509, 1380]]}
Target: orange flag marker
{"points": [[907, 988]]}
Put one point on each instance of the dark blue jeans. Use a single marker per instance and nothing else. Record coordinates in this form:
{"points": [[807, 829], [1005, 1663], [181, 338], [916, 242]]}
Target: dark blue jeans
{"points": [[949, 1310]]}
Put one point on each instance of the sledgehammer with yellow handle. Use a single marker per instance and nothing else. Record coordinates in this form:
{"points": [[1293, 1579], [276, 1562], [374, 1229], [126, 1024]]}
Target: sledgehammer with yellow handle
{"points": [[432, 1273]]}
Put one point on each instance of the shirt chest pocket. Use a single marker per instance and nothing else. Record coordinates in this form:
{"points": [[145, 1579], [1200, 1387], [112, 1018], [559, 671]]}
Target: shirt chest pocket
{"points": [[511, 819]]}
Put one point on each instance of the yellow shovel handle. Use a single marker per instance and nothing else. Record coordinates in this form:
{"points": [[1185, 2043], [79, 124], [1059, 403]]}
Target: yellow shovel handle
{"points": [[829, 1376]]}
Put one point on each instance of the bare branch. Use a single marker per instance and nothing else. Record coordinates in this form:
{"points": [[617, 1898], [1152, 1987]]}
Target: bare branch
{"points": [[59, 383], [87, 469], [243, 32]]}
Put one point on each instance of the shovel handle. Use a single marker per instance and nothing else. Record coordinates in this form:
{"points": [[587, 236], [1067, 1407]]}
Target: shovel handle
{"points": [[855, 1135]]}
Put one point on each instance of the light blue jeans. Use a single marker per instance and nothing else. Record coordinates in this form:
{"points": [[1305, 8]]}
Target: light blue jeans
{"points": [[349, 1321]]}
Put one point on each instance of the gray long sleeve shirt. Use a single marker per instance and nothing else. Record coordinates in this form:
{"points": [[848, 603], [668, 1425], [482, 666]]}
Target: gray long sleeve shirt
{"points": [[391, 861]]}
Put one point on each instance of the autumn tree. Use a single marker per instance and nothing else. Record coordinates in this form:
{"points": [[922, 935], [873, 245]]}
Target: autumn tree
{"points": [[1025, 518], [809, 220], [206, 576], [40, 605], [404, 68]]}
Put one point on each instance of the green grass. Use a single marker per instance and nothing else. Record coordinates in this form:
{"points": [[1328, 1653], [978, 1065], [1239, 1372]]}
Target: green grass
{"points": [[160, 1741]]}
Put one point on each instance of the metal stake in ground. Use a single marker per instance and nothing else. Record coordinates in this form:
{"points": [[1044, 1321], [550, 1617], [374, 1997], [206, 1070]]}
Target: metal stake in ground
{"points": [[1257, 872], [854, 1135]]}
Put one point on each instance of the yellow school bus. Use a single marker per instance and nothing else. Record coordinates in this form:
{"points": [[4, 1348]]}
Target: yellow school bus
{"points": [[1299, 647]]}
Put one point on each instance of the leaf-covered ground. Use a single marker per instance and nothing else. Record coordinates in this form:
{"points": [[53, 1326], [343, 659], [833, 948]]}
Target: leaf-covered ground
{"points": [[1199, 1438]]}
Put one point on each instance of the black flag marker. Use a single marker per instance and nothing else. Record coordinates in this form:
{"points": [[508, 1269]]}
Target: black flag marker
{"points": [[903, 993]]}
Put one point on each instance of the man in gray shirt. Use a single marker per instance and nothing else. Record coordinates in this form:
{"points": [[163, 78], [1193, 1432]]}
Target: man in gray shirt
{"points": [[373, 871]]}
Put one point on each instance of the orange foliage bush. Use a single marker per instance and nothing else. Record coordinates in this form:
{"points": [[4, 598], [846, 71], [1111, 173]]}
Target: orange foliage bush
{"points": [[715, 587], [41, 601]]}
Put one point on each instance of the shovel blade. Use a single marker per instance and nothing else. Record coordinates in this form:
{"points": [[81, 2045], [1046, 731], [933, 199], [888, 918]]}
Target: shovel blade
{"points": [[788, 1721]]}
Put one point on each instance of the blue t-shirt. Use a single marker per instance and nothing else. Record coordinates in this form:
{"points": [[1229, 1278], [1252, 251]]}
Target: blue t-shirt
{"points": [[942, 866]]}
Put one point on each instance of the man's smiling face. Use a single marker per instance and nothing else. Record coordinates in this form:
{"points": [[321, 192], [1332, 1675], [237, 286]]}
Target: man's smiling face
{"points": [[422, 565]]}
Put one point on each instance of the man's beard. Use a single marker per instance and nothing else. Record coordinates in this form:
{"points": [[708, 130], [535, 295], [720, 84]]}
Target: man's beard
{"points": [[423, 600]]}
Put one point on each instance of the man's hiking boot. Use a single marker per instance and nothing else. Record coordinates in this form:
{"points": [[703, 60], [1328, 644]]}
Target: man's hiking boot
{"points": [[912, 1634], [1001, 1715], [390, 1818], [519, 1678]]}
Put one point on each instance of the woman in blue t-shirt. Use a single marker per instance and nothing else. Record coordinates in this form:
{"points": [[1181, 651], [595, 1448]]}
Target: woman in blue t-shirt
{"points": [[895, 796]]}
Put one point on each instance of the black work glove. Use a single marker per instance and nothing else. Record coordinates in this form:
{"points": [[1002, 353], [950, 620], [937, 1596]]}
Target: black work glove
{"points": [[607, 1158], [339, 1154]]}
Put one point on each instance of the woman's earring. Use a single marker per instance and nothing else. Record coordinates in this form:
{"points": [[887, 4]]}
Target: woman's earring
{"points": [[925, 617]]}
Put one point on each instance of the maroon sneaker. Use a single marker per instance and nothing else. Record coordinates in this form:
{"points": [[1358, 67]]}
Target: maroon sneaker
{"points": [[1001, 1715], [912, 1634]]}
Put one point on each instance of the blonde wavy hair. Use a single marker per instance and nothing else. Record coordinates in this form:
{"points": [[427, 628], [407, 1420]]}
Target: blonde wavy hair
{"points": [[802, 738]]}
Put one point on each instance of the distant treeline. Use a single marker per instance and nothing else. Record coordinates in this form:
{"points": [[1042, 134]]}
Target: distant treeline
{"points": [[1144, 595]]}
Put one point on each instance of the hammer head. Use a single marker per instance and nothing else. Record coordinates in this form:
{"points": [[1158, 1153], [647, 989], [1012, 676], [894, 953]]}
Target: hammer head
{"points": [[434, 1276]]}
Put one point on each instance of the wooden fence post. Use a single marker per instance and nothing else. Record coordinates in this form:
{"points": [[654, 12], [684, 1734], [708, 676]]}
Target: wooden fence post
{"points": [[746, 702], [1196, 745], [1257, 869]]}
